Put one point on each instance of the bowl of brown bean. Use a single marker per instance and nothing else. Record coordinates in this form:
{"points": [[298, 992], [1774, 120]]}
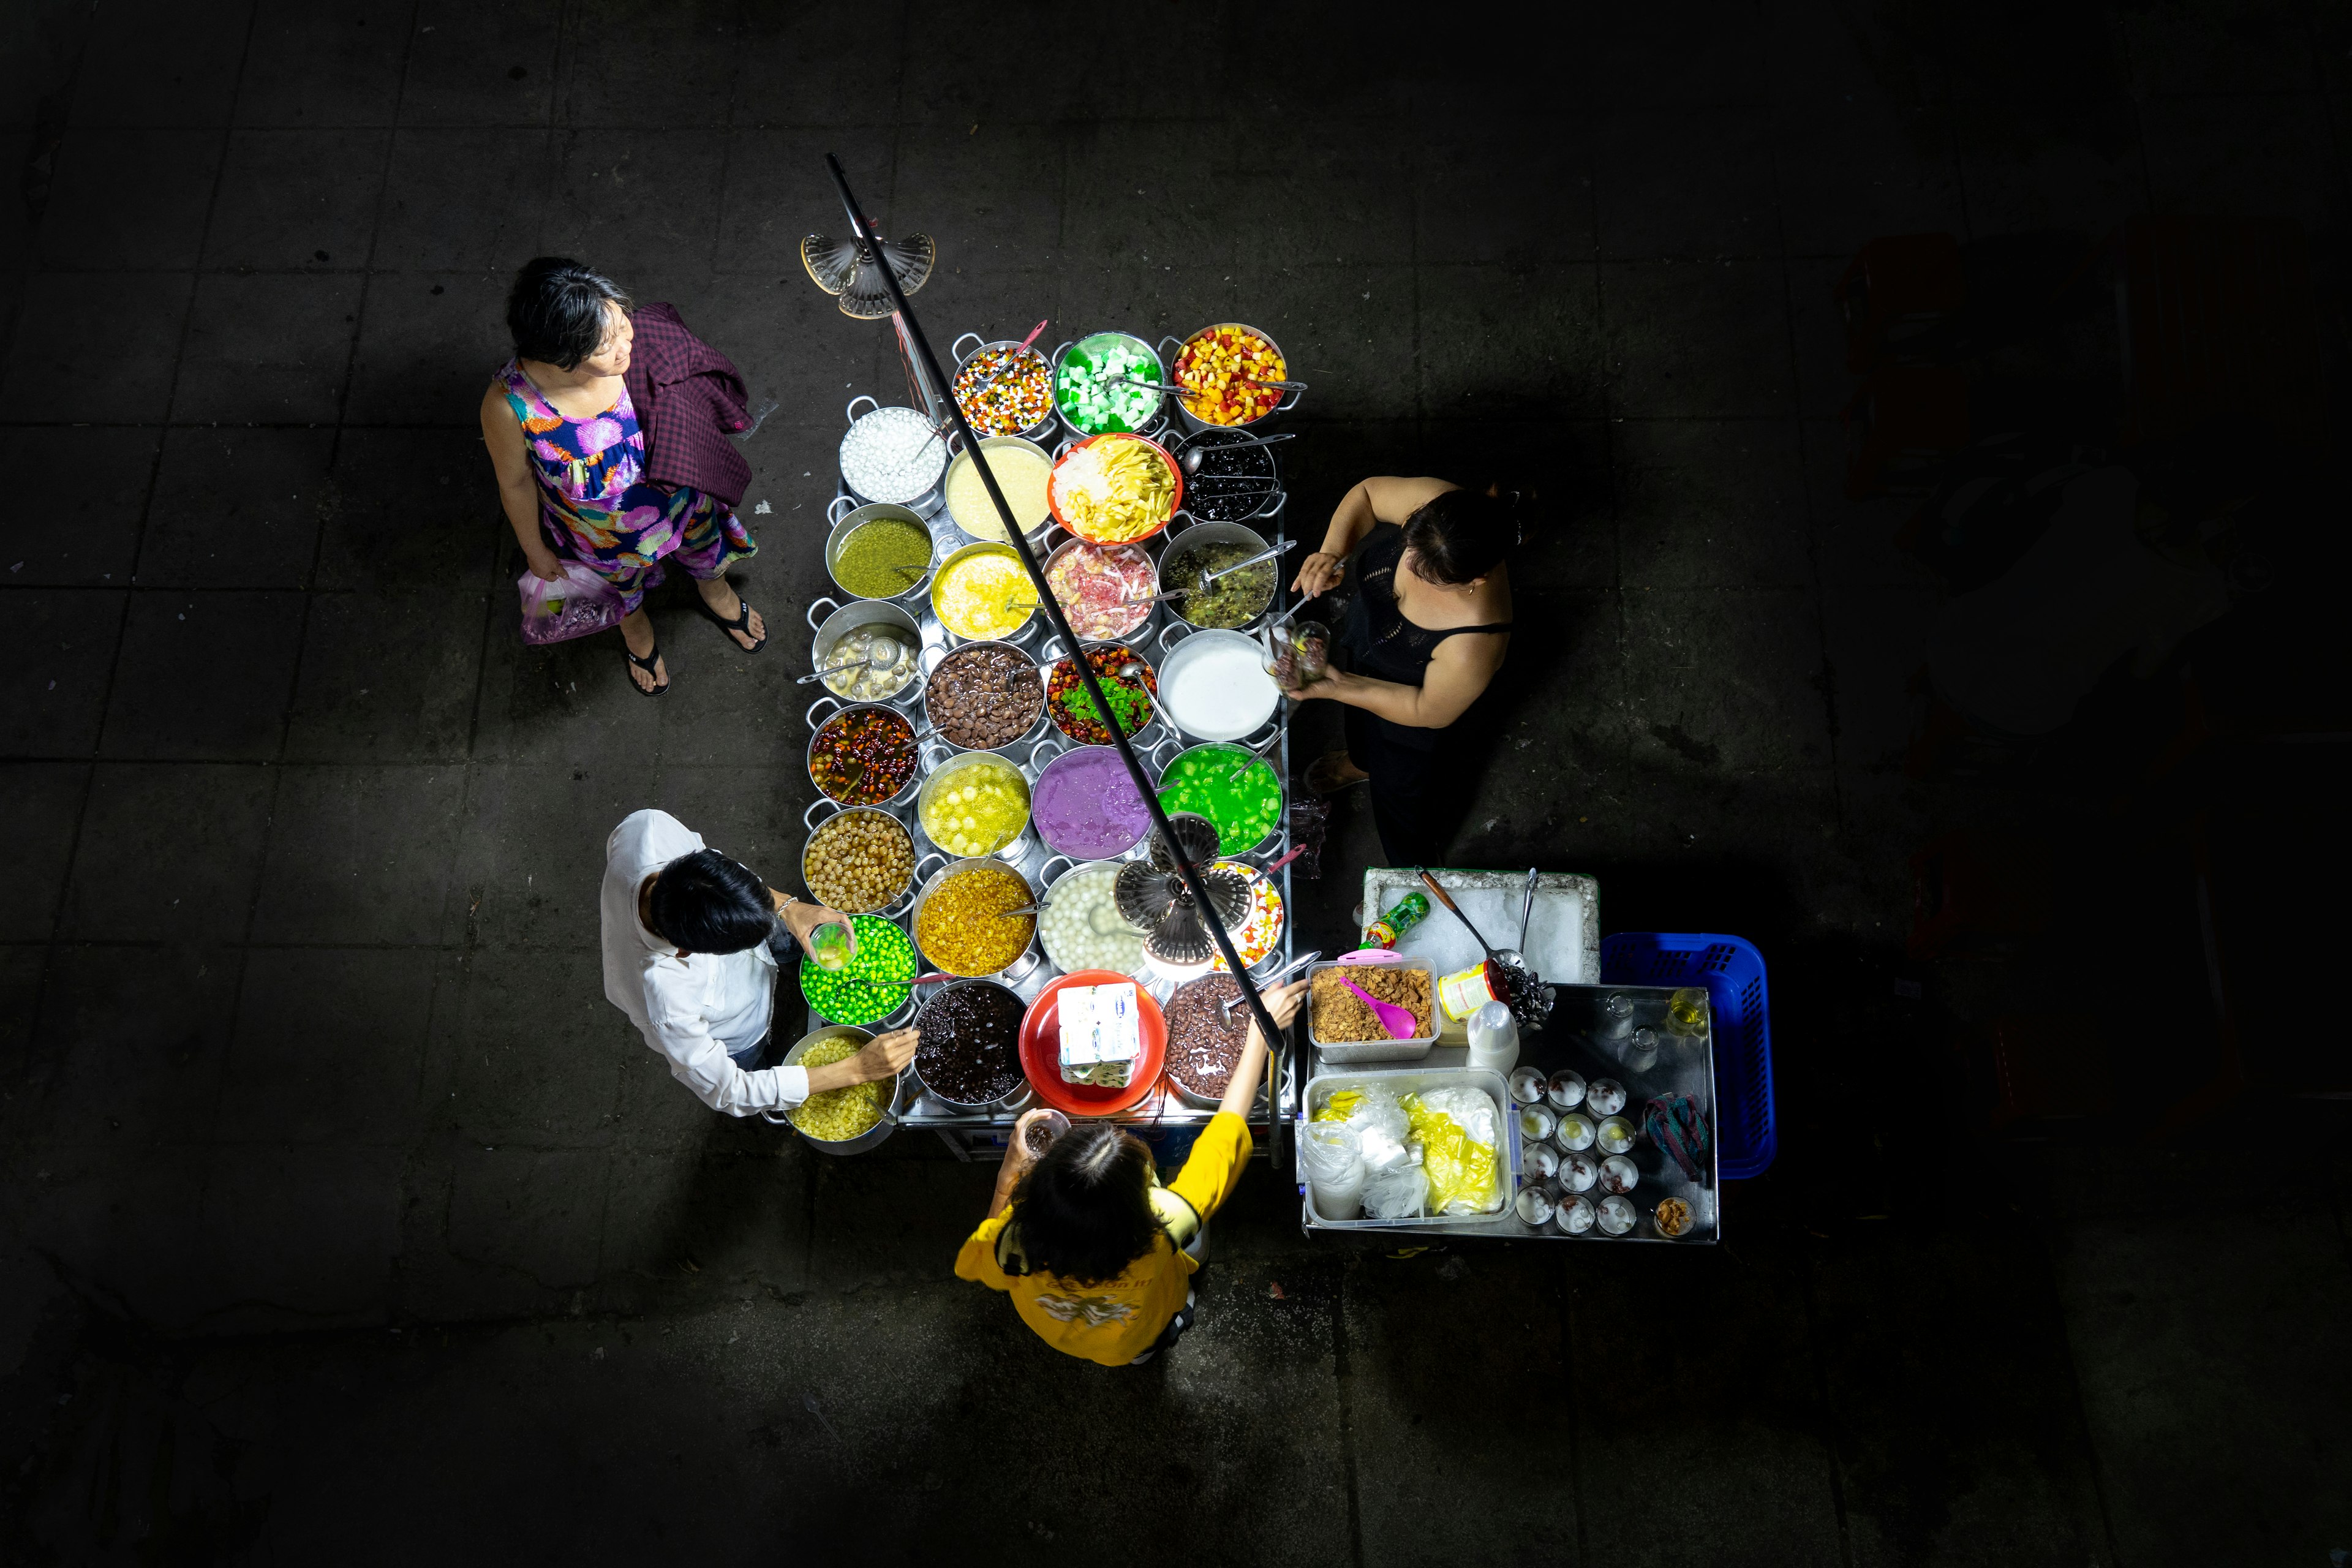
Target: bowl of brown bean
{"points": [[960, 921], [1203, 1045], [859, 860], [983, 696]]}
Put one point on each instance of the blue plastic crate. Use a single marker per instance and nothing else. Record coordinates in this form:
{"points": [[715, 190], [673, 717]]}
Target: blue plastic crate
{"points": [[1733, 972]]}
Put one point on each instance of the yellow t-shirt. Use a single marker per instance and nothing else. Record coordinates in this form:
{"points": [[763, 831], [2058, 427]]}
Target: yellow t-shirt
{"points": [[1113, 1322]]}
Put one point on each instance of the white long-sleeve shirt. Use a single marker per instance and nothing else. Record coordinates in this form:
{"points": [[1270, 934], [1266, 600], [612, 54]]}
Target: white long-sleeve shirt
{"points": [[693, 1008]]}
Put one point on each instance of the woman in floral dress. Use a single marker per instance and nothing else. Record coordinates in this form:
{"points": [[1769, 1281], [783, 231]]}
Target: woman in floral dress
{"points": [[571, 461]]}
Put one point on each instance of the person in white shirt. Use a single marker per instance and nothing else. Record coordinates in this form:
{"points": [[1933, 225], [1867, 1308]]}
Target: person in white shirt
{"points": [[691, 943]]}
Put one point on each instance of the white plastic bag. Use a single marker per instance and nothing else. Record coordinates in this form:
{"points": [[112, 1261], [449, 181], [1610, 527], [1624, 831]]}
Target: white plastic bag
{"points": [[1473, 1107], [1334, 1168], [1380, 1128], [1400, 1194]]}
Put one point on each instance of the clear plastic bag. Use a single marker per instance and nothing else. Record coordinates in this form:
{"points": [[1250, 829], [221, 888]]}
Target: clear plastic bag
{"points": [[1334, 1168], [1455, 1128], [1379, 1124], [574, 606], [1399, 1194]]}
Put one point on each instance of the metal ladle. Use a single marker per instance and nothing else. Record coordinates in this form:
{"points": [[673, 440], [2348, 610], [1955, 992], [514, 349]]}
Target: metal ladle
{"points": [[833, 669], [1191, 460]]}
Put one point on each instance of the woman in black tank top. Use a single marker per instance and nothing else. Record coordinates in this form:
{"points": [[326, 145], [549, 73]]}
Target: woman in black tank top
{"points": [[1420, 640]]}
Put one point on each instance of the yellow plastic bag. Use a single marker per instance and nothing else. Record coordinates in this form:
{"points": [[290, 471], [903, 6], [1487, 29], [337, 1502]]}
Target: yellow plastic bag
{"points": [[1464, 1177], [1340, 1106]]}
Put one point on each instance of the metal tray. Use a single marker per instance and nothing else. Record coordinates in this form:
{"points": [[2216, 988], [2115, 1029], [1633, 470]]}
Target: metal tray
{"points": [[1571, 1039]]}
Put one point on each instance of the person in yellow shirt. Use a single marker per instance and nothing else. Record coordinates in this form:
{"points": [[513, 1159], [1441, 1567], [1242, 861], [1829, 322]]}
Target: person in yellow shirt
{"points": [[1097, 1256]]}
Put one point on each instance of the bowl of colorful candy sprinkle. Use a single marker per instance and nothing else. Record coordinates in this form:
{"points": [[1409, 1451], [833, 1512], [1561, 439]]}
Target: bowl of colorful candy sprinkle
{"points": [[1094, 383], [1004, 389], [862, 755]]}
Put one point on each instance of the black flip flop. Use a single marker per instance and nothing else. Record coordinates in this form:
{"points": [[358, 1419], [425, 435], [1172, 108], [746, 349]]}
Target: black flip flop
{"points": [[645, 664], [742, 622]]}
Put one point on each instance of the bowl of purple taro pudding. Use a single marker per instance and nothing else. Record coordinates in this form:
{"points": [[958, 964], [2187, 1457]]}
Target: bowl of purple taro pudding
{"points": [[1085, 805]]}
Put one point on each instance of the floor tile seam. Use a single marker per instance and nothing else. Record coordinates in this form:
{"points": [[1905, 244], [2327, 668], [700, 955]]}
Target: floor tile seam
{"points": [[1343, 1386], [1807, 490], [1826, 1433]]}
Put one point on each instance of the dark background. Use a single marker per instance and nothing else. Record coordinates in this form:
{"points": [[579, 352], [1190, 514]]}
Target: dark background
{"points": [[345, 1220]]}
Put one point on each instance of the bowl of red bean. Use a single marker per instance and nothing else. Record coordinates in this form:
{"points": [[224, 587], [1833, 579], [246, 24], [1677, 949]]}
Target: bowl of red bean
{"points": [[861, 755]]}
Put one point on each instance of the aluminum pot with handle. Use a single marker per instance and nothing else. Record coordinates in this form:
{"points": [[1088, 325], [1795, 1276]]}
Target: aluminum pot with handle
{"points": [[932, 659], [1022, 590], [950, 773], [1172, 350], [857, 616], [820, 812], [1054, 882], [826, 712], [1015, 967], [924, 501], [847, 517], [1095, 340], [901, 1093], [1013, 1099], [1044, 428], [1179, 561], [1254, 492]]}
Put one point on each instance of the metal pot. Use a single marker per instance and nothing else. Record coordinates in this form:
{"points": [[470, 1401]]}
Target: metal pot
{"points": [[1043, 427], [1047, 753], [931, 668], [847, 517], [900, 1095], [1019, 965], [1142, 613], [855, 615], [928, 502], [1203, 492], [822, 811], [1230, 726], [1158, 419], [817, 726], [1147, 733], [1288, 401], [1012, 1098], [993, 445], [1025, 588], [941, 774], [1070, 869], [1234, 755], [1198, 536]]}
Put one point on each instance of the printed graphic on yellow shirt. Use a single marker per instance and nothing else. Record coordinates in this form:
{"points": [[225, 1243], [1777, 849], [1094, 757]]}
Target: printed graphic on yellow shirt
{"points": [[1095, 1311]]}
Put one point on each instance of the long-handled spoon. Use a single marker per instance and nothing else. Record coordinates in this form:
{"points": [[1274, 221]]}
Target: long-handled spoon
{"points": [[1191, 460], [832, 669], [1447, 900], [1208, 577]]}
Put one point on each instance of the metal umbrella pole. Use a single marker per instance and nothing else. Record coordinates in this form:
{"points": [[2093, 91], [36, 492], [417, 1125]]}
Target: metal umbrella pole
{"points": [[1276, 1047]]}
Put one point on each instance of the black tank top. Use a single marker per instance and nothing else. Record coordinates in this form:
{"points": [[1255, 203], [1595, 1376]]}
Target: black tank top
{"points": [[1380, 643]]}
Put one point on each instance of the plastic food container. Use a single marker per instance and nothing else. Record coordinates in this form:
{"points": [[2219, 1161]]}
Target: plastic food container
{"points": [[1350, 1052], [1415, 1080]]}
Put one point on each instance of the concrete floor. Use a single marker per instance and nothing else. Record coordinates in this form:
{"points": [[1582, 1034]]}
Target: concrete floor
{"points": [[345, 1220]]}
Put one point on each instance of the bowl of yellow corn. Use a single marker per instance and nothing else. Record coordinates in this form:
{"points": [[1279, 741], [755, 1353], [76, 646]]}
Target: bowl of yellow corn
{"points": [[842, 1121]]}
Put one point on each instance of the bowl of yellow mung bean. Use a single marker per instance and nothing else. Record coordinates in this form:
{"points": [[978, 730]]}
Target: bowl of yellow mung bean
{"points": [[842, 1121]]}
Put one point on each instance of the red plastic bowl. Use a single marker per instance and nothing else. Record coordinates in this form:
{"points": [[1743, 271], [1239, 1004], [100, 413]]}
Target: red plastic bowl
{"points": [[1041, 1051]]}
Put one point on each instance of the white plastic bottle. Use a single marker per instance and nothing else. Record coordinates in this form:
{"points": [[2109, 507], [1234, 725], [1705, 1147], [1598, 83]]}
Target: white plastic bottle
{"points": [[1494, 1039]]}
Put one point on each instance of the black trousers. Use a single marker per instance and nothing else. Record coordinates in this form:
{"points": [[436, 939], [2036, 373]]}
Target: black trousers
{"points": [[1419, 798]]}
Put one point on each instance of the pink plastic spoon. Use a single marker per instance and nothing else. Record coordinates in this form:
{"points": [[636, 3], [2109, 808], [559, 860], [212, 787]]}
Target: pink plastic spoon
{"points": [[1397, 1021]]}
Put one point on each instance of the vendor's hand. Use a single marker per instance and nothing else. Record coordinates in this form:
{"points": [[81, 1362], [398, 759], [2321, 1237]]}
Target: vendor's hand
{"points": [[802, 917], [1017, 1148], [884, 1056], [1318, 574], [1327, 687], [543, 564], [1284, 1003]]}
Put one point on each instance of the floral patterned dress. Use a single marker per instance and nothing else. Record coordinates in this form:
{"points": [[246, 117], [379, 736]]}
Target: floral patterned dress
{"points": [[599, 508]]}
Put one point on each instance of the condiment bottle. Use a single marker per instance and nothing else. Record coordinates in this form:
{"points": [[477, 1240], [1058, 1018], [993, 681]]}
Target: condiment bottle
{"points": [[1409, 913], [1494, 1039]]}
